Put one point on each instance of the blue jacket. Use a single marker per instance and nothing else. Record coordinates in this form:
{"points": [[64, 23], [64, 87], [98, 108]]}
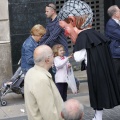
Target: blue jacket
{"points": [[27, 53], [113, 33], [54, 35]]}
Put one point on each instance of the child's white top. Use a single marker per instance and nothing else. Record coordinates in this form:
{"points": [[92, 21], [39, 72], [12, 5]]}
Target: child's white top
{"points": [[61, 69]]}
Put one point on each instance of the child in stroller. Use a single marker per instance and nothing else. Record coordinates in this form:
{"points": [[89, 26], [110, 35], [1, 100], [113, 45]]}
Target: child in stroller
{"points": [[15, 84]]}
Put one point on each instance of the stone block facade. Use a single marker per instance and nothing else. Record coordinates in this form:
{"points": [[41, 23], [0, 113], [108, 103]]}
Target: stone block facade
{"points": [[5, 47]]}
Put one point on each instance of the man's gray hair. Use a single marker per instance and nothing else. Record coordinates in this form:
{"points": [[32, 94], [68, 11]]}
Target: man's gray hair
{"points": [[73, 113], [112, 10], [40, 58]]}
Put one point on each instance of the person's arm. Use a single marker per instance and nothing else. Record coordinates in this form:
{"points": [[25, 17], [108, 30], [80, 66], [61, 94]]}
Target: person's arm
{"points": [[45, 100], [79, 56], [60, 63], [45, 37], [116, 33], [29, 55], [53, 34], [113, 31]]}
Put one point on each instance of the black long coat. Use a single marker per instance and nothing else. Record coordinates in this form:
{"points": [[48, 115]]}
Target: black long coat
{"points": [[102, 80]]}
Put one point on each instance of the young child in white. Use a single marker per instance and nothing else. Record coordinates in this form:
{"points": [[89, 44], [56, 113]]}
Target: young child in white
{"points": [[61, 63]]}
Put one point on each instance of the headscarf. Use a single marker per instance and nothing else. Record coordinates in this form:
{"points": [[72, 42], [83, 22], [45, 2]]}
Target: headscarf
{"points": [[76, 8]]}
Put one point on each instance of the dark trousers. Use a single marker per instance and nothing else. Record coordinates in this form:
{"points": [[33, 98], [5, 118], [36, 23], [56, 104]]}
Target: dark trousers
{"points": [[52, 73], [62, 87], [117, 68]]}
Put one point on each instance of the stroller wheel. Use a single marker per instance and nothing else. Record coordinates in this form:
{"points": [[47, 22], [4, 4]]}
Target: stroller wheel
{"points": [[3, 103]]}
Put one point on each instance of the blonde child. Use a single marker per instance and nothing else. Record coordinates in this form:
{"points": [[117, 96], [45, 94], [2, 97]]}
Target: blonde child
{"points": [[61, 63]]}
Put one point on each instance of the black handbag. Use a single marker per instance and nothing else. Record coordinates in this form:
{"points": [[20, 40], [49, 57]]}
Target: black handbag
{"points": [[83, 65]]}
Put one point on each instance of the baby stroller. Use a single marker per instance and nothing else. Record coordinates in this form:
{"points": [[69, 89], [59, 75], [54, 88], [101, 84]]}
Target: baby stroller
{"points": [[15, 84]]}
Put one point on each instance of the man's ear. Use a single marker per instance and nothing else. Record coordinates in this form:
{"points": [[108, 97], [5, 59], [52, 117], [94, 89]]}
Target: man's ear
{"points": [[47, 60], [62, 115], [82, 116], [72, 20]]}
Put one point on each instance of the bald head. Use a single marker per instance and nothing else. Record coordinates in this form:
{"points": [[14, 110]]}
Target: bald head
{"points": [[73, 110], [42, 54]]}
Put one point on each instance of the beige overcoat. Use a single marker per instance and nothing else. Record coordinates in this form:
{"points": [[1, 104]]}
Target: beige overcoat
{"points": [[42, 98]]}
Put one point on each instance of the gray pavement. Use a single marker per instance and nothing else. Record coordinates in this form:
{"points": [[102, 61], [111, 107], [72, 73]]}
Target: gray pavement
{"points": [[15, 109]]}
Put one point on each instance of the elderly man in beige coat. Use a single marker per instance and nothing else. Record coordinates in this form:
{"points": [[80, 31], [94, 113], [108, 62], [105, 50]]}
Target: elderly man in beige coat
{"points": [[42, 99]]}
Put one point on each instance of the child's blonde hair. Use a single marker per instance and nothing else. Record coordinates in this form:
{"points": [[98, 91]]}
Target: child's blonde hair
{"points": [[55, 49]]}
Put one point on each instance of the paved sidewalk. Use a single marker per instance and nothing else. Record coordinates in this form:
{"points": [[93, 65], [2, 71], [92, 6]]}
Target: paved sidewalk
{"points": [[81, 75], [15, 109]]}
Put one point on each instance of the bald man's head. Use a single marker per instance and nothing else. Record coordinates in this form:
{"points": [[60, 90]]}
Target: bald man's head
{"points": [[73, 109], [43, 53]]}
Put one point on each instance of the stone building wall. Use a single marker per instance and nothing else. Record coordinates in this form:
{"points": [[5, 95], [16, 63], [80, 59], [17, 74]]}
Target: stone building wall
{"points": [[5, 47]]}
